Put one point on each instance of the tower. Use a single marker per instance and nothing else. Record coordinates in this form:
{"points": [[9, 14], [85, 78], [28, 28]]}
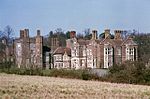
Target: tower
{"points": [[39, 50]]}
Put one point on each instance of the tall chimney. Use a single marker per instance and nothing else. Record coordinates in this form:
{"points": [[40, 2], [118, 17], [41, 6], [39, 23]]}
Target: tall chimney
{"points": [[39, 50], [118, 34], [94, 34], [26, 33], [38, 33], [21, 33], [107, 33]]}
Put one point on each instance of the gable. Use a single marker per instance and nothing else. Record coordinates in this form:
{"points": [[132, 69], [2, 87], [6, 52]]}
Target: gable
{"points": [[107, 42], [129, 41]]}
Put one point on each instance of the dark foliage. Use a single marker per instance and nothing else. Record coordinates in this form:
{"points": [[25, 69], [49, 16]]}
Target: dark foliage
{"points": [[64, 73], [143, 41], [130, 72]]}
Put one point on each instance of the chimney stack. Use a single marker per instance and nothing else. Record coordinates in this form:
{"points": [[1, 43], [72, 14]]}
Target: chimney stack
{"points": [[38, 33], [107, 33], [21, 33], [26, 33], [94, 34], [72, 34], [118, 34]]}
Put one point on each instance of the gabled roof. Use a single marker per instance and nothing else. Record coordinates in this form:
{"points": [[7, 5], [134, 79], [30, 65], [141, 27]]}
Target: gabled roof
{"points": [[62, 50], [129, 41], [118, 42], [107, 40]]}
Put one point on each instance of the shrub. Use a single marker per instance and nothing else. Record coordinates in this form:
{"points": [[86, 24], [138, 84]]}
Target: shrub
{"points": [[46, 72], [65, 73], [86, 76], [6, 64], [130, 72]]}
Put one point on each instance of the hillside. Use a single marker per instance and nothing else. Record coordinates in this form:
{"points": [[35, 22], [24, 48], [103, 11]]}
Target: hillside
{"points": [[33, 87]]}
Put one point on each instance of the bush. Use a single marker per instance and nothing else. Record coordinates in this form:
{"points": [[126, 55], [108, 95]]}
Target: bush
{"points": [[86, 75], [46, 73], [65, 73], [130, 72], [6, 64]]}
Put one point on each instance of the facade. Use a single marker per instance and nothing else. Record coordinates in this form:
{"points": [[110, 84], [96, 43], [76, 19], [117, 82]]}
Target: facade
{"points": [[78, 53], [62, 58], [29, 51], [117, 50], [84, 53], [101, 53]]}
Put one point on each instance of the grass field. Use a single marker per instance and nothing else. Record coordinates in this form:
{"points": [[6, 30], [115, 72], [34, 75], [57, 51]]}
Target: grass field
{"points": [[36, 87]]}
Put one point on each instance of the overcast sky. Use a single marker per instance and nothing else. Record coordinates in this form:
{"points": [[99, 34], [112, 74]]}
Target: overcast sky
{"points": [[76, 15]]}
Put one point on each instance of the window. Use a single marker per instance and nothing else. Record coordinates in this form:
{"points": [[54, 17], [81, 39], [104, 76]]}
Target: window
{"points": [[73, 52], [119, 51], [90, 53], [75, 48], [105, 50], [19, 49], [84, 52], [60, 58], [76, 53], [57, 58], [130, 54], [87, 51], [108, 51]]}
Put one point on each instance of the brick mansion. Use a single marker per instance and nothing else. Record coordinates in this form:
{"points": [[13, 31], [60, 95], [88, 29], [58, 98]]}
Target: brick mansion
{"points": [[77, 54]]}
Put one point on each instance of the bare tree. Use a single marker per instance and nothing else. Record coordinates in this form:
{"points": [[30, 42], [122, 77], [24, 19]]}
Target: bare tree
{"points": [[1, 34], [6, 43], [8, 33], [86, 32], [59, 31], [80, 36], [127, 33]]}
